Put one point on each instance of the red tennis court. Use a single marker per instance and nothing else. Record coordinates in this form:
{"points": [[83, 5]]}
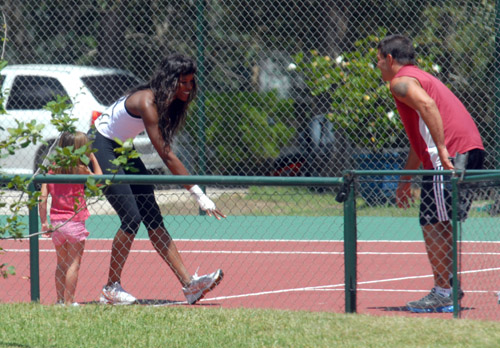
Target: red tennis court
{"points": [[294, 275]]}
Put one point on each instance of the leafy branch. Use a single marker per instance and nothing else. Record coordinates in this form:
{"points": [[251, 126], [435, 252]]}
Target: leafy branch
{"points": [[361, 102], [25, 134]]}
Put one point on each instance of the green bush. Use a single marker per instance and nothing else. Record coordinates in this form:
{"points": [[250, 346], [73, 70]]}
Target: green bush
{"points": [[244, 130], [361, 102]]}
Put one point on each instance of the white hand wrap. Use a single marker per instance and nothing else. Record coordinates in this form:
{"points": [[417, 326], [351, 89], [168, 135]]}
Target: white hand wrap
{"points": [[204, 202]]}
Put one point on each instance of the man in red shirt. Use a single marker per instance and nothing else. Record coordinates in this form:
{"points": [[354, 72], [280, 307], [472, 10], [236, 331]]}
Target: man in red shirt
{"points": [[437, 125]]}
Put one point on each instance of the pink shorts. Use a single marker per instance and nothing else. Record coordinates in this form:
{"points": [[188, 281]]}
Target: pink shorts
{"points": [[72, 232]]}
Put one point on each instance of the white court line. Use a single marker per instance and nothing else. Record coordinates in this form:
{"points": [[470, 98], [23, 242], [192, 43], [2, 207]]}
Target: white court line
{"points": [[229, 240], [271, 292], [279, 240], [334, 287], [425, 291], [140, 251], [257, 252], [236, 252]]}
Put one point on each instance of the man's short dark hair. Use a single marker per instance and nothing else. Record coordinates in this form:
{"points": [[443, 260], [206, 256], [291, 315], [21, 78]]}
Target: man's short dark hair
{"points": [[399, 47]]}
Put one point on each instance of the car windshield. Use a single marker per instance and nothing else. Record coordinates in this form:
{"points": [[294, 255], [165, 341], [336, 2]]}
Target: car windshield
{"points": [[108, 88]]}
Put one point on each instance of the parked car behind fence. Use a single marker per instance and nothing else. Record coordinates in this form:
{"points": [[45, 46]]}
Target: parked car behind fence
{"points": [[28, 88]]}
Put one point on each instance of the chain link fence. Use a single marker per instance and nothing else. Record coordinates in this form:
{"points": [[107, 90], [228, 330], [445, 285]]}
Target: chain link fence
{"points": [[391, 238], [255, 113], [279, 247], [258, 111], [478, 256]]}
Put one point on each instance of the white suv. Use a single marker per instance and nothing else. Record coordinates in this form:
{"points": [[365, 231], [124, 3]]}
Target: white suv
{"points": [[28, 88]]}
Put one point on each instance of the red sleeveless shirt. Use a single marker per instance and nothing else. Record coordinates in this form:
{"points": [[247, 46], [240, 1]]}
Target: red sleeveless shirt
{"points": [[460, 131]]}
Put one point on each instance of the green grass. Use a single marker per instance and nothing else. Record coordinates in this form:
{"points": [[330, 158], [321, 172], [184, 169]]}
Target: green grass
{"points": [[34, 325], [303, 201], [299, 201]]}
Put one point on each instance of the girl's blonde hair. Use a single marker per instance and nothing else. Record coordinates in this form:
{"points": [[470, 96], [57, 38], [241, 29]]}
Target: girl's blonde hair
{"points": [[77, 140]]}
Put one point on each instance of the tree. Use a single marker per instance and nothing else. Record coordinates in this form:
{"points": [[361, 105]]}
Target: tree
{"points": [[361, 103]]}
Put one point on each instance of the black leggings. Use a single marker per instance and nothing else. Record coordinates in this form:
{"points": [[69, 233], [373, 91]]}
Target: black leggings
{"points": [[133, 203]]}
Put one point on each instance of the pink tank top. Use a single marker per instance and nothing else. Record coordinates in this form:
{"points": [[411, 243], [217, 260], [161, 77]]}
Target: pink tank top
{"points": [[64, 198]]}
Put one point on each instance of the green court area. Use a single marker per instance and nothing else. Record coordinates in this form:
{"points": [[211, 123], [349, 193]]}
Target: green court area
{"points": [[291, 228]]}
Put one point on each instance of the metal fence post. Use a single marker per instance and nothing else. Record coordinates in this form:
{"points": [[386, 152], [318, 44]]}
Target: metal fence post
{"points": [[350, 250], [201, 25], [200, 62], [454, 224], [497, 76], [34, 251]]}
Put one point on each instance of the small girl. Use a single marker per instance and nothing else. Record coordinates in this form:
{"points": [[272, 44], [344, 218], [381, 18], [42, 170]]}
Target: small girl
{"points": [[69, 223]]}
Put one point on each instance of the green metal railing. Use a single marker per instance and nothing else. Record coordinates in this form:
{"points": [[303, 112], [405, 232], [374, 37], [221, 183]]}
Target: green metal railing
{"points": [[347, 195], [457, 176], [147, 179]]}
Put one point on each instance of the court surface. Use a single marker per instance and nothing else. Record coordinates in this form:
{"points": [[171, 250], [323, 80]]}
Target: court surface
{"points": [[277, 273]]}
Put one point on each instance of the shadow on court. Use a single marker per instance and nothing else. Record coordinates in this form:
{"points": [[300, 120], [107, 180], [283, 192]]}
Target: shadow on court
{"points": [[158, 302], [405, 309]]}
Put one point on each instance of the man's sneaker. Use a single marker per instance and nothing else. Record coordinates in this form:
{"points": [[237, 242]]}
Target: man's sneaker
{"points": [[114, 294], [199, 286], [432, 303]]}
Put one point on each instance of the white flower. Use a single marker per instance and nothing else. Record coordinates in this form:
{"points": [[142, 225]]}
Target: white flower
{"points": [[390, 115], [436, 68], [339, 59], [291, 67]]}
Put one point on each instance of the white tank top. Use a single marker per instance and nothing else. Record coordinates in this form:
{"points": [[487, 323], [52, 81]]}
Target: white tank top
{"points": [[117, 122]]}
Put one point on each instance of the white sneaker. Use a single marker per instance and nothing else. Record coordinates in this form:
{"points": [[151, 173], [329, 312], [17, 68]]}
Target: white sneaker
{"points": [[62, 304], [114, 294], [199, 286]]}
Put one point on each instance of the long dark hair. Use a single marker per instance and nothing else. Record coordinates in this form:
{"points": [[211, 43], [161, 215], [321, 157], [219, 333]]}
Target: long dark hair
{"points": [[164, 83]]}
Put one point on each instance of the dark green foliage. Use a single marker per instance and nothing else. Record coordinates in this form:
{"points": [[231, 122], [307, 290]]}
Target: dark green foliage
{"points": [[244, 129], [361, 102]]}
